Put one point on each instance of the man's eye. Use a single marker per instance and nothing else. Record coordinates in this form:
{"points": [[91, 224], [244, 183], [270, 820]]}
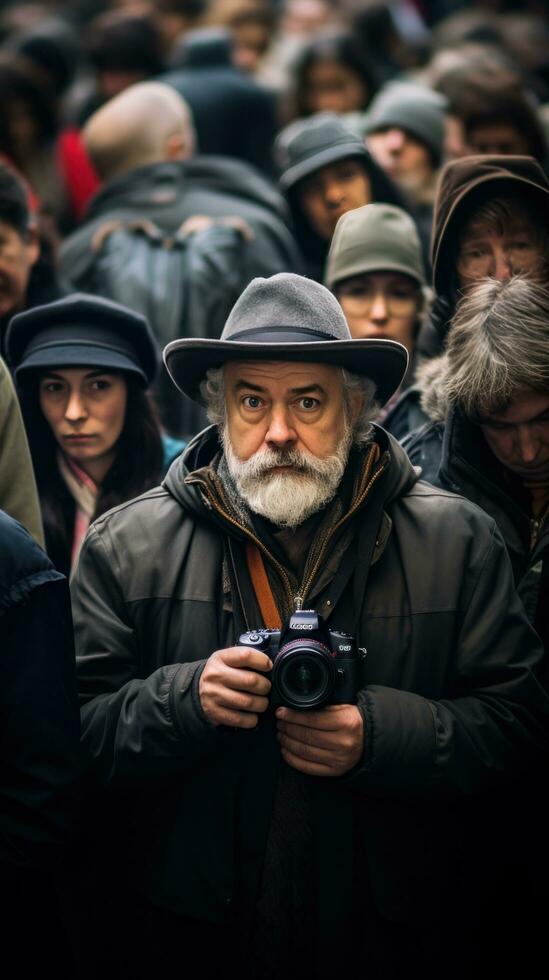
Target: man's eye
{"points": [[521, 246], [52, 386], [252, 401], [99, 384], [308, 404]]}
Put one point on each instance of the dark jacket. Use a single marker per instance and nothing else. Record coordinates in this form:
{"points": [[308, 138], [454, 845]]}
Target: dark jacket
{"points": [[454, 455], [465, 185], [169, 193], [450, 701], [232, 114], [39, 722]]}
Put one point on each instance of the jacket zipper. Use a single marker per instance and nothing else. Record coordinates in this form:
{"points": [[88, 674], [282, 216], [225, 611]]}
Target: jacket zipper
{"points": [[299, 598]]}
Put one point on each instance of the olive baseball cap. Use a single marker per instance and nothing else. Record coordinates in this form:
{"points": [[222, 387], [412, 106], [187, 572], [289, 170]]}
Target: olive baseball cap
{"points": [[374, 238]]}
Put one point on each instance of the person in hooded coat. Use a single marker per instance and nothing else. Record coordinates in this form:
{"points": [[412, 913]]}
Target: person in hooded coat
{"points": [[490, 218]]}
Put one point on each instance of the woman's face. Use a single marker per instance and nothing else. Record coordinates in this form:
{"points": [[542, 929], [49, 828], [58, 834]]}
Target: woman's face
{"points": [[85, 409], [382, 305], [332, 191], [333, 87]]}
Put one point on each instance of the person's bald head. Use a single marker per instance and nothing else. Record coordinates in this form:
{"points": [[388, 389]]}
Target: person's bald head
{"points": [[147, 123]]}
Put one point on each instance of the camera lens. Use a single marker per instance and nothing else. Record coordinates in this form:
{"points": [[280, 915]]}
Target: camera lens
{"points": [[303, 674]]}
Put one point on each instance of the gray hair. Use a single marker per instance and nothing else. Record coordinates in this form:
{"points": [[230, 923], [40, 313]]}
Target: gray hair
{"points": [[497, 347], [212, 390]]}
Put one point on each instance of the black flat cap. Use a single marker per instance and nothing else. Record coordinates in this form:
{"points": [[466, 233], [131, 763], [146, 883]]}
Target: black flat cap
{"points": [[81, 330]]}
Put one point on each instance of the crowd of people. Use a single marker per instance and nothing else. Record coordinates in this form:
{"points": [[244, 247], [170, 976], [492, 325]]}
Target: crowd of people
{"points": [[274, 400]]}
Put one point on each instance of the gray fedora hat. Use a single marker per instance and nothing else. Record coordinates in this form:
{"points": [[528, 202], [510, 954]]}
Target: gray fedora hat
{"points": [[287, 318]]}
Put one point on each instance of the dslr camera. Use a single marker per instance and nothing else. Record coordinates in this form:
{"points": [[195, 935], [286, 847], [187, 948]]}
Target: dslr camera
{"points": [[312, 665]]}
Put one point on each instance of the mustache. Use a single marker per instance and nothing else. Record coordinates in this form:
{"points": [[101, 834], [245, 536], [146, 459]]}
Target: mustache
{"points": [[263, 463]]}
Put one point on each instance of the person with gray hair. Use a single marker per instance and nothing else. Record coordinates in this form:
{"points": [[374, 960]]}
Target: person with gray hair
{"points": [[286, 697], [487, 398]]}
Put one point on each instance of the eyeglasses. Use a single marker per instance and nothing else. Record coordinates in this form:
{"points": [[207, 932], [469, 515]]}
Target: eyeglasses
{"points": [[359, 300]]}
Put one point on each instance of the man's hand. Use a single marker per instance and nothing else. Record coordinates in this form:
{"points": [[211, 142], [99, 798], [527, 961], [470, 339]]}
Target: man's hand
{"points": [[231, 690], [328, 742]]}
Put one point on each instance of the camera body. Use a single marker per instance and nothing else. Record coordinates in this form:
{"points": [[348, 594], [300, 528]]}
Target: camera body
{"points": [[312, 664]]}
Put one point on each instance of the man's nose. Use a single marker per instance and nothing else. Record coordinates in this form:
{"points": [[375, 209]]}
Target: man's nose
{"points": [[76, 409], [501, 266], [280, 432], [378, 310]]}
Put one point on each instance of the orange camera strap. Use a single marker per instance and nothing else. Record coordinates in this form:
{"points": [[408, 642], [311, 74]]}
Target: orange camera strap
{"points": [[263, 592]]}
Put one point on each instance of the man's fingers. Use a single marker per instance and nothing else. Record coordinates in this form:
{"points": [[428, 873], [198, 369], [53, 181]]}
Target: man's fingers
{"points": [[304, 750], [328, 719], [244, 657], [311, 736], [240, 701]]}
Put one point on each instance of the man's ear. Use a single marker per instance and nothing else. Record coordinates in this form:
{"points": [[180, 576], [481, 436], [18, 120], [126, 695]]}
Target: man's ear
{"points": [[179, 146]]}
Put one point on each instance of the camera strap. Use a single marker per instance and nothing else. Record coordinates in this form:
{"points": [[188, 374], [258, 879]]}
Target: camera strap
{"points": [[260, 581]]}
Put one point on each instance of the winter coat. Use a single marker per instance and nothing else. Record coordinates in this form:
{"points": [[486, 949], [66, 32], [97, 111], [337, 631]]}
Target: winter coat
{"points": [[454, 455], [38, 709], [169, 193], [464, 186], [450, 701], [18, 493]]}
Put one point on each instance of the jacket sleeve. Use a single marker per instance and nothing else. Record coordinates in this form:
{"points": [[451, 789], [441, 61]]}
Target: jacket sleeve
{"points": [[133, 727], [39, 725], [18, 494], [497, 720]]}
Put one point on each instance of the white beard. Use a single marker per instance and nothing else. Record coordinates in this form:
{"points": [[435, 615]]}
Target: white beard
{"points": [[288, 499]]}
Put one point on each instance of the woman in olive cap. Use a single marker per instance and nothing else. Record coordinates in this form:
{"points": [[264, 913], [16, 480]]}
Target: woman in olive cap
{"points": [[82, 365], [375, 269]]}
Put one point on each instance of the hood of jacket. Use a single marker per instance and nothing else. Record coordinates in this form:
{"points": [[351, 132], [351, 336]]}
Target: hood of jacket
{"points": [[399, 477], [429, 382], [463, 186]]}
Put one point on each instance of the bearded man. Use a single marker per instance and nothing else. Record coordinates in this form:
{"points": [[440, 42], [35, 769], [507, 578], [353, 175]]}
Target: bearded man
{"points": [[253, 837]]}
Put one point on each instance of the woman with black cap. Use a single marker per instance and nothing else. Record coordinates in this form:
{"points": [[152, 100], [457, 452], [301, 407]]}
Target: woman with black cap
{"points": [[82, 365]]}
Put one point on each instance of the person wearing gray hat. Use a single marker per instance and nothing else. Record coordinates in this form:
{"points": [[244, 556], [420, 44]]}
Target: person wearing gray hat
{"points": [[325, 171], [375, 269], [282, 672], [404, 131], [82, 365]]}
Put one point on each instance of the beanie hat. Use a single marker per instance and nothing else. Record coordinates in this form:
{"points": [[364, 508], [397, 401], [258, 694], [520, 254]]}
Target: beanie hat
{"points": [[306, 145], [287, 318], [374, 238], [414, 108]]}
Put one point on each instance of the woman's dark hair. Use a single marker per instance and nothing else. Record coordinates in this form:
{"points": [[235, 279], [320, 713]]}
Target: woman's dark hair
{"points": [[137, 466], [342, 48], [14, 208]]}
